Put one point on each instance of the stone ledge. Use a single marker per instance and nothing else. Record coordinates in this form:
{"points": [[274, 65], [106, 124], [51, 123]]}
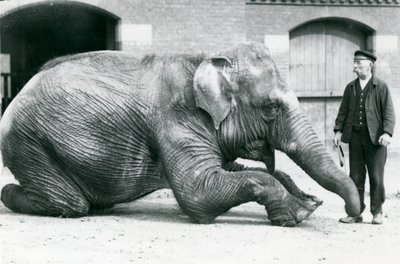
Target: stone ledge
{"points": [[376, 3]]}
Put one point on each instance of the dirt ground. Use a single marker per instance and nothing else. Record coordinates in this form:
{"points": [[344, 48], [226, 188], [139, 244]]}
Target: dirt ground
{"points": [[154, 230]]}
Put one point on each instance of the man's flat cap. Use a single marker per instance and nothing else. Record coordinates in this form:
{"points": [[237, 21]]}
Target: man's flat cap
{"points": [[366, 54]]}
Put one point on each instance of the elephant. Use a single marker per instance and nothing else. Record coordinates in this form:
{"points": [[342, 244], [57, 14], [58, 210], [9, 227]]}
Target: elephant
{"points": [[95, 129]]}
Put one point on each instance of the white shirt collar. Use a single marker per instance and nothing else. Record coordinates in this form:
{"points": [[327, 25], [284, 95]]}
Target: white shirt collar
{"points": [[363, 83]]}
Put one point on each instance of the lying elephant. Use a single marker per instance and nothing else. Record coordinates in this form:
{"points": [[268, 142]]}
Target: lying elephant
{"points": [[96, 129]]}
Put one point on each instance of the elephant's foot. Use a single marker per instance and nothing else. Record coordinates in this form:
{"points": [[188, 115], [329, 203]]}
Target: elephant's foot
{"points": [[291, 210], [310, 197], [17, 199], [14, 197]]}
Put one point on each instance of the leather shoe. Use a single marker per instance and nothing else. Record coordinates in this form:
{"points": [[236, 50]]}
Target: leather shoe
{"points": [[351, 220], [377, 219]]}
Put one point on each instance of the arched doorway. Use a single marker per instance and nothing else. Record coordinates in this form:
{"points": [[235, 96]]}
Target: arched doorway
{"points": [[321, 64], [35, 34]]}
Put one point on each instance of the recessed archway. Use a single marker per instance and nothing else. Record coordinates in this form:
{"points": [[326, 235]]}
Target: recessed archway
{"points": [[37, 33]]}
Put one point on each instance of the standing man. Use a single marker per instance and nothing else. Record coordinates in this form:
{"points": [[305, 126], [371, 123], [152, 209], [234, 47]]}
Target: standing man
{"points": [[366, 121]]}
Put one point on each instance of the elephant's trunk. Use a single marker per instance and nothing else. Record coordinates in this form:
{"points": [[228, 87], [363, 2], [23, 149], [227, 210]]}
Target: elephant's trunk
{"points": [[302, 145]]}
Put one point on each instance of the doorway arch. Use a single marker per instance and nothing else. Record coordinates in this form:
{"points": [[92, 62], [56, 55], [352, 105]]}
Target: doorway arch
{"points": [[321, 54], [36, 33], [321, 65]]}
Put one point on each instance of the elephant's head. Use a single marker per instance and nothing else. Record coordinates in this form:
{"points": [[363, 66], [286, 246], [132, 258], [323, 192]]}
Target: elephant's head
{"points": [[243, 93]]}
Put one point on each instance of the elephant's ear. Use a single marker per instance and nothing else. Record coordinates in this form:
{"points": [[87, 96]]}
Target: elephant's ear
{"points": [[212, 91]]}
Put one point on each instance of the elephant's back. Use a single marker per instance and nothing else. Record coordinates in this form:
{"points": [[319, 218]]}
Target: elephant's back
{"points": [[106, 59]]}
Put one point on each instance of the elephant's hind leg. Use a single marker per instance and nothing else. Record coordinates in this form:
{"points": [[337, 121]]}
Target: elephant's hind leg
{"points": [[45, 188], [17, 199]]}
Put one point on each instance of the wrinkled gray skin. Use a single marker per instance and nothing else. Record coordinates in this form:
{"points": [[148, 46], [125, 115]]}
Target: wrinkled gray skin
{"points": [[96, 129]]}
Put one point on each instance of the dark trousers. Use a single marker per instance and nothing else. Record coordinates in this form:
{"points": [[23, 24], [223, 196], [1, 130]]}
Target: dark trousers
{"points": [[365, 155]]}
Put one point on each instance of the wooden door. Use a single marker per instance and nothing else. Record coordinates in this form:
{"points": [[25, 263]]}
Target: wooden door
{"points": [[321, 56], [321, 64]]}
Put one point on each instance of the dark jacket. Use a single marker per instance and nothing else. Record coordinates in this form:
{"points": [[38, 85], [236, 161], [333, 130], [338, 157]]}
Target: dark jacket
{"points": [[379, 110]]}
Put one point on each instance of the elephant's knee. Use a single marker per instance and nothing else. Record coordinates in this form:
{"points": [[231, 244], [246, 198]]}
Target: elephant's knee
{"points": [[202, 217], [199, 209]]}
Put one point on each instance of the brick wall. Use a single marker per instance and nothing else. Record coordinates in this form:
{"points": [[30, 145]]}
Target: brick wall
{"points": [[168, 25], [181, 25]]}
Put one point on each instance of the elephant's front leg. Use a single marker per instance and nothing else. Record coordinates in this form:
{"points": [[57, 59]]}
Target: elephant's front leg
{"points": [[206, 193], [204, 190], [282, 177]]}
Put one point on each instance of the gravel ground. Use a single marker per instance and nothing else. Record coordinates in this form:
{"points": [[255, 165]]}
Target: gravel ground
{"points": [[154, 230]]}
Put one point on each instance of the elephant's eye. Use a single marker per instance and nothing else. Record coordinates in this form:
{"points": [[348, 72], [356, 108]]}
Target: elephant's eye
{"points": [[260, 57]]}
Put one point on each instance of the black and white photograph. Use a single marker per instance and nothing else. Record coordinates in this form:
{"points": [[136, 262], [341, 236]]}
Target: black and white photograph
{"points": [[200, 131]]}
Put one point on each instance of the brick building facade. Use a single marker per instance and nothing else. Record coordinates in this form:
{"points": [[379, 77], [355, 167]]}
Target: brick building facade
{"points": [[311, 40]]}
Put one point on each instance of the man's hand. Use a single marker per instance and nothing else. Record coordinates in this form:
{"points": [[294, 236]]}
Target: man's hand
{"points": [[385, 139], [336, 139]]}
